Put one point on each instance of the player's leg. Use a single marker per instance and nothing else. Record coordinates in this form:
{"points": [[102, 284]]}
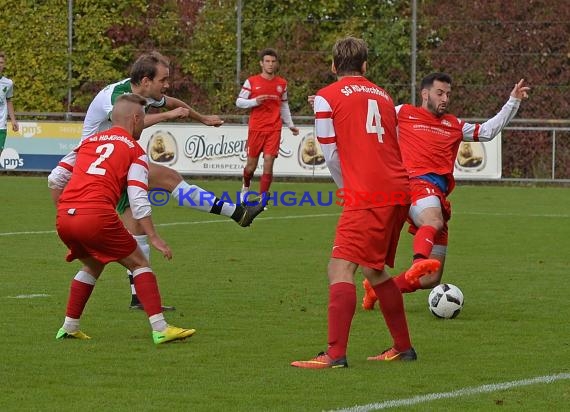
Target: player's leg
{"points": [[270, 153], [433, 279], [391, 219], [79, 292], [248, 172], [353, 247], [149, 295], [392, 307], [79, 232], [342, 305], [426, 214], [426, 281], [3, 134], [136, 230], [267, 175], [253, 149], [196, 198]]}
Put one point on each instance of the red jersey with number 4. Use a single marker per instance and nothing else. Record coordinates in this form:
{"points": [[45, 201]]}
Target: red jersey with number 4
{"points": [[106, 164], [360, 118], [266, 116]]}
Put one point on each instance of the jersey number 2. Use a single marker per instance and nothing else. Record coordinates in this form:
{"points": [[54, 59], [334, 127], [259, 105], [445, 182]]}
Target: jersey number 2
{"points": [[105, 151], [373, 124]]}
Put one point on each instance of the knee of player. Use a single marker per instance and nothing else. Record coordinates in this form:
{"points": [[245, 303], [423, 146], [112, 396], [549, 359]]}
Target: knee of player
{"points": [[438, 224], [434, 221], [164, 178]]}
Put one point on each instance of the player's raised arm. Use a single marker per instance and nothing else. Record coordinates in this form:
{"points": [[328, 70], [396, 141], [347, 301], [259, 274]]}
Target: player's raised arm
{"points": [[520, 91], [491, 128]]}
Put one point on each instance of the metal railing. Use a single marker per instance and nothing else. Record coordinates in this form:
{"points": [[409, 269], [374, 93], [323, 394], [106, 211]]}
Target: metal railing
{"points": [[541, 146]]}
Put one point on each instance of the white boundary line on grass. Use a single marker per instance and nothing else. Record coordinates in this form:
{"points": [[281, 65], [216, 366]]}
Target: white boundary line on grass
{"points": [[32, 296], [474, 390], [201, 222]]}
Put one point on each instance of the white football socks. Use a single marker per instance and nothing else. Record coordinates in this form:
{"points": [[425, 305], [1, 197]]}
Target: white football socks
{"points": [[195, 197]]}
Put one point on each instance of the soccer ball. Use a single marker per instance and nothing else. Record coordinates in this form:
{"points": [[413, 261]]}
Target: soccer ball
{"points": [[445, 301]]}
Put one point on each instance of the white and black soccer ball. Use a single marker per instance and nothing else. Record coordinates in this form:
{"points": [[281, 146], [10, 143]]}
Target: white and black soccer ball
{"points": [[445, 301]]}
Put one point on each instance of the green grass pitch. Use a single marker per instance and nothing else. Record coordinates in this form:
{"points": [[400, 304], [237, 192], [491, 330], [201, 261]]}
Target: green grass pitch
{"points": [[258, 299]]}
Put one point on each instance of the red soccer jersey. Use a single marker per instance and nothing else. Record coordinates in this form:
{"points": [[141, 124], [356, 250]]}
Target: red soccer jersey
{"points": [[106, 164], [266, 116], [360, 118], [428, 143]]}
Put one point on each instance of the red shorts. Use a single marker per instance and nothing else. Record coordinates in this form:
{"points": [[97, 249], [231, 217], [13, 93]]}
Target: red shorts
{"points": [[266, 142], [422, 189], [94, 233], [369, 237]]}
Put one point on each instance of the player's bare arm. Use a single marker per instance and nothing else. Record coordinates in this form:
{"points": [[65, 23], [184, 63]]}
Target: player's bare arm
{"points": [[151, 119], [155, 240], [209, 120], [12, 115], [55, 194], [520, 91]]}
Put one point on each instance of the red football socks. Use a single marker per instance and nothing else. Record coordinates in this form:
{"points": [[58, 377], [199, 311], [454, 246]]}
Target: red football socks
{"points": [[392, 307], [424, 241], [342, 305], [265, 182], [79, 293], [147, 291], [247, 178]]}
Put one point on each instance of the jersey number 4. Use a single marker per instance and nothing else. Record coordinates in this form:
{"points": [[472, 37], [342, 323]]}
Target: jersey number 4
{"points": [[373, 120], [105, 151]]}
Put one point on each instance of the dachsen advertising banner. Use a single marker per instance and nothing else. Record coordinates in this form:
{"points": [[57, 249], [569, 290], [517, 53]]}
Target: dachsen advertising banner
{"points": [[476, 160], [203, 150], [193, 149]]}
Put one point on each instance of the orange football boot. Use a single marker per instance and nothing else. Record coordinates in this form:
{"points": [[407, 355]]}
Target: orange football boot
{"points": [[369, 298], [421, 268]]}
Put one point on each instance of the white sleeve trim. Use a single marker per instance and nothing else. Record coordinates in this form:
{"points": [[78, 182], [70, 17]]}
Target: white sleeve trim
{"points": [[487, 131], [246, 103], [138, 201], [58, 178], [333, 162], [137, 189]]}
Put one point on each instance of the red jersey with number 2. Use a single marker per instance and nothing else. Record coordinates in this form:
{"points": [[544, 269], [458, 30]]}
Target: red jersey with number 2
{"points": [[103, 170]]}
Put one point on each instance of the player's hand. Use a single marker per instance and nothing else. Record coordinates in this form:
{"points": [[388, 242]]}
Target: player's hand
{"points": [[311, 100], [294, 130], [15, 126], [212, 120], [520, 91], [264, 97], [157, 242], [178, 113]]}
